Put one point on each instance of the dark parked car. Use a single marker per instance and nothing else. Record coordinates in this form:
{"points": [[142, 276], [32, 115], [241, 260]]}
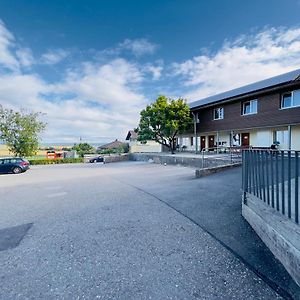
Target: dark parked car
{"points": [[96, 159], [13, 165]]}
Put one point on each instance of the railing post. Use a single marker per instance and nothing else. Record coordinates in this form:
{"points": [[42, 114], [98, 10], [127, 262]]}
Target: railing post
{"points": [[289, 186], [272, 178], [267, 178], [296, 187], [256, 174], [277, 180], [259, 168], [282, 184], [246, 174], [263, 174]]}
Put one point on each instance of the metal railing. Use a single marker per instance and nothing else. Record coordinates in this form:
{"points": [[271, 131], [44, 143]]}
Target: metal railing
{"points": [[273, 177], [231, 154]]}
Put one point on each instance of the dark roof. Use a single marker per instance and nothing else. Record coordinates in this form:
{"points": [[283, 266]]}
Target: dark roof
{"points": [[113, 145], [257, 86], [131, 135]]}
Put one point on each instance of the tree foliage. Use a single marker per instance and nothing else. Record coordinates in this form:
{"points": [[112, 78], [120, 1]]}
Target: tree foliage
{"points": [[83, 148], [20, 131], [163, 120]]}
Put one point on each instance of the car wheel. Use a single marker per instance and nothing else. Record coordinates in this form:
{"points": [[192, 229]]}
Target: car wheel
{"points": [[16, 170]]}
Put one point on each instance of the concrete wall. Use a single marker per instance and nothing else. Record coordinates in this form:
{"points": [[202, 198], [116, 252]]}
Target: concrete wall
{"points": [[116, 158], [195, 162], [107, 158], [281, 235]]}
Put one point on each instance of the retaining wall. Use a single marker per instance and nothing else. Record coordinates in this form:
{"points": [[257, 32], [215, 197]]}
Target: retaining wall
{"points": [[176, 159], [116, 158], [108, 158], [280, 234]]}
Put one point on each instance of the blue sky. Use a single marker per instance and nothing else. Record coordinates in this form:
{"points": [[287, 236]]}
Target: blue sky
{"points": [[91, 66]]}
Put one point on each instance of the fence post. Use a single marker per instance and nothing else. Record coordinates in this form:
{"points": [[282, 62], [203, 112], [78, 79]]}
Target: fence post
{"points": [[289, 186], [246, 174], [296, 187], [277, 180], [282, 184]]}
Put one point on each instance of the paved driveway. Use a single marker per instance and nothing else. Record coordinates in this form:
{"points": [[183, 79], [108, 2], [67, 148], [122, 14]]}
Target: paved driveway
{"points": [[102, 232]]}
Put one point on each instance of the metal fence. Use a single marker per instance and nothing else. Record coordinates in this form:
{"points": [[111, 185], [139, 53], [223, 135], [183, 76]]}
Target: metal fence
{"points": [[273, 177], [225, 155]]}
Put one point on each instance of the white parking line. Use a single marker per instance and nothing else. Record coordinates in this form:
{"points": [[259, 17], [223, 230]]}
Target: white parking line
{"points": [[56, 195], [53, 187]]}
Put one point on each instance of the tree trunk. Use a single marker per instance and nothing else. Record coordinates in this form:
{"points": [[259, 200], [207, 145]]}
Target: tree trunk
{"points": [[173, 146]]}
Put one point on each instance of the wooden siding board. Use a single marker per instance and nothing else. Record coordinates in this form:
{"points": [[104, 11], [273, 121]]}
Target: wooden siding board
{"points": [[269, 114]]}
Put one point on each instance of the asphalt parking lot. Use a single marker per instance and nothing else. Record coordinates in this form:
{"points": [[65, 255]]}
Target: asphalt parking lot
{"points": [[95, 231]]}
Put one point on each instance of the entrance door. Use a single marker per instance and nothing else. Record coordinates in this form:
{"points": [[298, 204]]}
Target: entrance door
{"points": [[245, 139], [202, 145], [211, 142]]}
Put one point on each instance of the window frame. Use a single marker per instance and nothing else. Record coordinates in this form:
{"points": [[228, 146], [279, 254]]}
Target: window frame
{"points": [[221, 117], [292, 99], [251, 107]]}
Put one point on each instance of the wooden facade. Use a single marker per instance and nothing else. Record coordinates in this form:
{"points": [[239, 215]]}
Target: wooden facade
{"points": [[269, 113], [222, 121]]}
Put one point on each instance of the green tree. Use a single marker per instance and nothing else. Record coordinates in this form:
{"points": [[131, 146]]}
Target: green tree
{"points": [[163, 120], [20, 131], [83, 148]]}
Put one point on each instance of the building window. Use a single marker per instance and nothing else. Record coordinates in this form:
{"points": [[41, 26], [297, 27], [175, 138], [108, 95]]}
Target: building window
{"points": [[291, 99], [219, 113], [192, 141], [249, 107]]}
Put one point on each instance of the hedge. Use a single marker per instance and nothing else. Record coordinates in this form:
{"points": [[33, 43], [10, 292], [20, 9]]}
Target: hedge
{"points": [[55, 161]]}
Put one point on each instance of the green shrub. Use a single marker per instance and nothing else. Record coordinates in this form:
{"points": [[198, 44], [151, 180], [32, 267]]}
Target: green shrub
{"points": [[55, 161]]}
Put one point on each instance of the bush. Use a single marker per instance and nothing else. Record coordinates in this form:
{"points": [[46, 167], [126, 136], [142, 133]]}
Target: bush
{"points": [[55, 161], [83, 148], [121, 149]]}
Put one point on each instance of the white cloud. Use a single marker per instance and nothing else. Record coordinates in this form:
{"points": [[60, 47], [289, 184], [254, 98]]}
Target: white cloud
{"points": [[7, 43], [20, 90], [25, 57], [139, 46], [110, 85], [102, 101], [154, 70], [53, 57], [243, 61]]}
